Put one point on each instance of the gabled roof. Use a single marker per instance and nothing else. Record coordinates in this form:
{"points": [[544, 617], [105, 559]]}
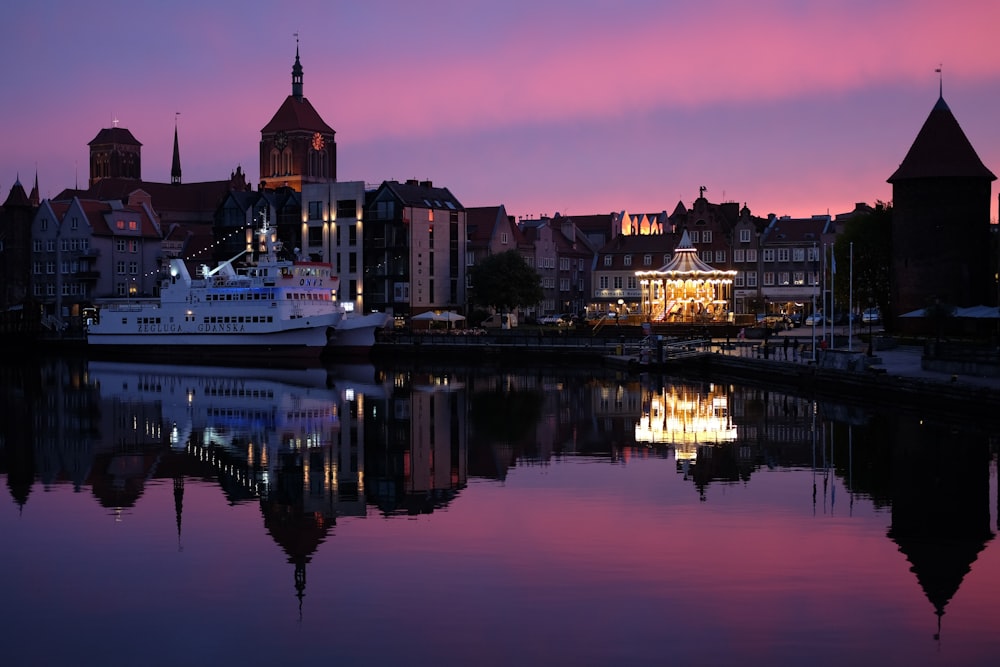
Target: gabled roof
{"points": [[422, 194], [205, 196], [798, 230], [941, 150], [297, 114]]}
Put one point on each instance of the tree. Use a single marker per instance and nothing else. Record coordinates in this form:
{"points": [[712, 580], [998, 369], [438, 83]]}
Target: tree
{"points": [[504, 282], [871, 234]]}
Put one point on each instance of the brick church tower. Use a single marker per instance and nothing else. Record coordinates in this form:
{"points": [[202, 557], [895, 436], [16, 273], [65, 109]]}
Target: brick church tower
{"points": [[941, 220], [297, 146]]}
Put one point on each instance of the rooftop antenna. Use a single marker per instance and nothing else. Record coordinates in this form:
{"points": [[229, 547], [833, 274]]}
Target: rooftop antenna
{"points": [[940, 80]]}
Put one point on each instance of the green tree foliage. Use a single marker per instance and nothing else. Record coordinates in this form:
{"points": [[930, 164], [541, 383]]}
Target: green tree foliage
{"points": [[871, 235], [505, 282]]}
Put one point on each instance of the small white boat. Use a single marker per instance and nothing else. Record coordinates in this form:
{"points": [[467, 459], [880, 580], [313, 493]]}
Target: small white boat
{"points": [[269, 305]]}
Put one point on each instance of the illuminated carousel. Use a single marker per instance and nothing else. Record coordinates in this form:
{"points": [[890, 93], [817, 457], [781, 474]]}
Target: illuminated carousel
{"points": [[686, 290]]}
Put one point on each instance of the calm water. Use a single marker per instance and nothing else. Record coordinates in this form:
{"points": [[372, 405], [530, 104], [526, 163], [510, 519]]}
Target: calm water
{"points": [[362, 516]]}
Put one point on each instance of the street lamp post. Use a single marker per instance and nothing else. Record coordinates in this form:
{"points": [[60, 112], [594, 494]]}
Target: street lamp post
{"points": [[618, 319]]}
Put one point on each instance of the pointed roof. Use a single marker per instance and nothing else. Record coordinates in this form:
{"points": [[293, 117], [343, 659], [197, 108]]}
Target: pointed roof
{"points": [[34, 198], [296, 113], [17, 196], [941, 150], [175, 167]]}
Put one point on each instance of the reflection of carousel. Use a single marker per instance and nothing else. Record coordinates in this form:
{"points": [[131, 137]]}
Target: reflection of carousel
{"points": [[686, 290]]}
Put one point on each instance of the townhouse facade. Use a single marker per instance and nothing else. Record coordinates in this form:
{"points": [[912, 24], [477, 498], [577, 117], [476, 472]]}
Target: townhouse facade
{"points": [[86, 251]]}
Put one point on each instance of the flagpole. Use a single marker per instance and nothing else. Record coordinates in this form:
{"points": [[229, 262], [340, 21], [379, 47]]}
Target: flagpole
{"points": [[815, 285], [850, 301]]}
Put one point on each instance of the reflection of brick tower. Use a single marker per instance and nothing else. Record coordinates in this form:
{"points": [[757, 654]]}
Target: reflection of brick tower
{"points": [[941, 220]]}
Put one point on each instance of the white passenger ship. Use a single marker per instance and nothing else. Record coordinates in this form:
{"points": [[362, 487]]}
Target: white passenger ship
{"points": [[271, 305]]}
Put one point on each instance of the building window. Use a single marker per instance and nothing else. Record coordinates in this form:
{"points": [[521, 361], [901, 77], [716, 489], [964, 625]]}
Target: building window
{"points": [[695, 236], [617, 282], [352, 235], [630, 282], [347, 208], [798, 254], [503, 238], [799, 278], [812, 254], [120, 268], [315, 210], [74, 223], [720, 256], [120, 245], [752, 255], [133, 225], [768, 278], [706, 256], [133, 268], [133, 245], [628, 260], [564, 284], [744, 236], [768, 254], [316, 236], [36, 245], [602, 282], [45, 224], [751, 278], [50, 245], [738, 280], [120, 289], [783, 278], [706, 236], [647, 260], [783, 254], [738, 255], [50, 268], [608, 260]]}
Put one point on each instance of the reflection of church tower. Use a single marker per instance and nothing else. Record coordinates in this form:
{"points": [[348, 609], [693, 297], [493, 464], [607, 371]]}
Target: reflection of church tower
{"points": [[940, 507], [292, 523], [296, 145], [115, 153]]}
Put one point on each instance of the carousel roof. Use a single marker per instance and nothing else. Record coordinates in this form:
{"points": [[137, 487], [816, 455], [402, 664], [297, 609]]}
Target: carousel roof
{"points": [[686, 263]]}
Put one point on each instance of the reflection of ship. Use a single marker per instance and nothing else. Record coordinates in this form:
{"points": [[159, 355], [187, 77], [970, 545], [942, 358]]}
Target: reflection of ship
{"points": [[273, 305]]}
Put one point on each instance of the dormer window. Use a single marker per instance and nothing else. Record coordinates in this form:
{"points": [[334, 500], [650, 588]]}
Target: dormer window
{"points": [[628, 260]]}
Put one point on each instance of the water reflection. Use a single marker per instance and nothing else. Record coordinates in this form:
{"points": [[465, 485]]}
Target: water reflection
{"points": [[312, 447]]}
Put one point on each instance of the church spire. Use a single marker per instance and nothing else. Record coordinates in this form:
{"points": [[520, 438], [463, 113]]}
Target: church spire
{"points": [[34, 197], [175, 168], [297, 72]]}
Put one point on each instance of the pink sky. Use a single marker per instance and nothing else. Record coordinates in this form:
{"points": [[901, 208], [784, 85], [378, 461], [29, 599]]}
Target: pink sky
{"points": [[581, 107]]}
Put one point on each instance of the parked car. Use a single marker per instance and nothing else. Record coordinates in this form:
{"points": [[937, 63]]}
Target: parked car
{"points": [[871, 316], [815, 319], [563, 320]]}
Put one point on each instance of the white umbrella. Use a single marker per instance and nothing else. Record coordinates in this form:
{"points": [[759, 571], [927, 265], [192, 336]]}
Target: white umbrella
{"points": [[450, 316], [429, 316]]}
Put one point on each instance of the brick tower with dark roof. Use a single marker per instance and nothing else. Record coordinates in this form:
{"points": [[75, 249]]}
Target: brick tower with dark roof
{"points": [[296, 145], [941, 220]]}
